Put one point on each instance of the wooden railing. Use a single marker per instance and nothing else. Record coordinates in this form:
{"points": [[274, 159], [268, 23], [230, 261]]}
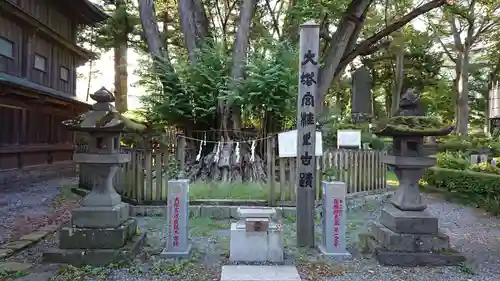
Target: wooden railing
{"points": [[144, 179], [361, 170]]}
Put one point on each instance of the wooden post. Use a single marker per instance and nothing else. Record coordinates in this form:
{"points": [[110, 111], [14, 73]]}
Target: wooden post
{"points": [[181, 154], [271, 168], [306, 133]]}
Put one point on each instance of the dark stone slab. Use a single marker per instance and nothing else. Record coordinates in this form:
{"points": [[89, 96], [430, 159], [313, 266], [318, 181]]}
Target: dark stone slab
{"points": [[97, 238], [96, 257], [100, 217], [386, 257], [393, 241], [411, 222]]}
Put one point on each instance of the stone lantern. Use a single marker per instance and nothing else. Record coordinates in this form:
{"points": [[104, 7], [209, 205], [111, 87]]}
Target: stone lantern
{"points": [[406, 234], [101, 230]]}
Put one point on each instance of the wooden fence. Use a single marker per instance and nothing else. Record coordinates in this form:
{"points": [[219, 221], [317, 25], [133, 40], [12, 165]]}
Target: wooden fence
{"points": [[361, 170], [144, 179]]}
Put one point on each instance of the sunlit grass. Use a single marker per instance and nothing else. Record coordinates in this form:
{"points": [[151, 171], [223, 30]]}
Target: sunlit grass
{"points": [[247, 191], [220, 190], [392, 179]]}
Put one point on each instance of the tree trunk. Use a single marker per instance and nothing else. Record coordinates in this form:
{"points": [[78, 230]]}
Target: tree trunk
{"points": [[89, 79], [463, 94], [194, 25], [398, 75], [239, 57], [149, 24], [338, 45], [120, 59], [337, 55]]}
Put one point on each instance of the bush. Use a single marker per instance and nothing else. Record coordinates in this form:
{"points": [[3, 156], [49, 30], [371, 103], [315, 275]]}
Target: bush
{"points": [[482, 189], [485, 168], [452, 160]]}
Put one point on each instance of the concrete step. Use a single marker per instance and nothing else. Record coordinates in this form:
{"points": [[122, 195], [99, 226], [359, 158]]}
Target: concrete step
{"points": [[259, 273]]}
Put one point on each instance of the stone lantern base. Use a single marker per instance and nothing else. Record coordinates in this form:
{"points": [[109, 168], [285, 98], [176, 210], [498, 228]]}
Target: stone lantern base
{"points": [[409, 238], [91, 245]]}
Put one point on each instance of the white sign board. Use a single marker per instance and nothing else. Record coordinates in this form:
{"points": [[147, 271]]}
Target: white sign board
{"points": [[287, 144], [349, 138]]}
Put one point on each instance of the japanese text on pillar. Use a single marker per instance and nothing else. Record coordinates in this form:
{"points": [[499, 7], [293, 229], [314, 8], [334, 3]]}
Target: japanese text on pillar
{"points": [[307, 118]]}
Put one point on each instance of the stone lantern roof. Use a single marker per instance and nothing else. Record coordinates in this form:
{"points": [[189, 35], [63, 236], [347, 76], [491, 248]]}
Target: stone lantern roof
{"points": [[103, 117]]}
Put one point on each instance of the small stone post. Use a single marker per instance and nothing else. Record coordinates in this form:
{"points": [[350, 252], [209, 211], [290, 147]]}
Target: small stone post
{"points": [[178, 244], [333, 241], [306, 133]]}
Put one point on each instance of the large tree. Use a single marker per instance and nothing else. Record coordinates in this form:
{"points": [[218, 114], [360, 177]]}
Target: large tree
{"points": [[201, 23]]}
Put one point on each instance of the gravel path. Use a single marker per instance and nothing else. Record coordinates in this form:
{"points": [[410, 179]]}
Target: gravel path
{"points": [[24, 208], [475, 234]]}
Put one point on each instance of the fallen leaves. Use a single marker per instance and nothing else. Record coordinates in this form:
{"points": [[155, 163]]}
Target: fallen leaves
{"points": [[319, 271]]}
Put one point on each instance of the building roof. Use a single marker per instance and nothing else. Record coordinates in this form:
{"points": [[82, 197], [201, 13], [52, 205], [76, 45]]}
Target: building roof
{"points": [[37, 88], [88, 12], [92, 12]]}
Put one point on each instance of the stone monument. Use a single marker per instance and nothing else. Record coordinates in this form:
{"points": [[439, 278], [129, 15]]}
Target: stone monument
{"points": [[361, 98], [406, 234], [257, 236], [101, 230], [333, 239], [178, 245], [494, 109]]}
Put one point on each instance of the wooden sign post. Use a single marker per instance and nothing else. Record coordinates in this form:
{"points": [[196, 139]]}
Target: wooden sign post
{"points": [[306, 133]]}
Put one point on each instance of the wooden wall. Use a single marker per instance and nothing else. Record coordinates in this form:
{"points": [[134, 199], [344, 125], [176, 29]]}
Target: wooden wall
{"points": [[50, 14], [27, 44], [12, 32], [31, 133]]}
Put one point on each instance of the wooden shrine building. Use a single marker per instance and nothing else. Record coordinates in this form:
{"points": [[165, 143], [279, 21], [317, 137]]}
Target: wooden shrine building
{"points": [[38, 61]]}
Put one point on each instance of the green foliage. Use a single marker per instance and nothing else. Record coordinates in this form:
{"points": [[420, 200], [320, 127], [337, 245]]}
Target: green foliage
{"points": [[452, 160], [477, 188], [410, 124], [270, 85], [469, 144], [190, 92], [485, 168]]}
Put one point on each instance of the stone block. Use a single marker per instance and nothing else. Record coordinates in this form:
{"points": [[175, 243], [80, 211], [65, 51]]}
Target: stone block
{"points": [[411, 222], [96, 257], [36, 236], [100, 217], [256, 212], [259, 273], [13, 267], [181, 253], [256, 246], [393, 241], [5, 253], [97, 238], [18, 245], [412, 259]]}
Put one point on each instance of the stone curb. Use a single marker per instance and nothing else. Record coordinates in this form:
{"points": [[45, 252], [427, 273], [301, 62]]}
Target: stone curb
{"points": [[28, 240], [354, 201]]}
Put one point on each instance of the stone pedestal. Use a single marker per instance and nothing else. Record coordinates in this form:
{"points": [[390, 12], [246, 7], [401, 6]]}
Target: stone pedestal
{"points": [[257, 236], [101, 230], [410, 238], [333, 239], [178, 244]]}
